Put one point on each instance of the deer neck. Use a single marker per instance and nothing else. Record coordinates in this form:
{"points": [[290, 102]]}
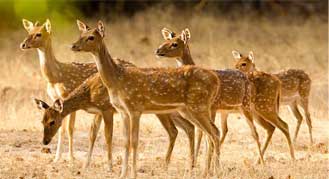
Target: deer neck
{"points": [[48, 63], [186, 58], [106, 66], [72, 103]]}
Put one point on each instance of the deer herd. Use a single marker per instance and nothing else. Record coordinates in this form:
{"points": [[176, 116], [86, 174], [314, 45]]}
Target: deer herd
{"points": [[187, 97]]}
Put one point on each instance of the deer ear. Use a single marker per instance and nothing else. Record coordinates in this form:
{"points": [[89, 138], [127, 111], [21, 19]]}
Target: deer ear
{"points": [[185, 36], [28, 25], [251, 56], [167, 34], [58, 105], [82, 26], [47, 25], [37, 23], [41, 104], [236, 54], [101, 28]]}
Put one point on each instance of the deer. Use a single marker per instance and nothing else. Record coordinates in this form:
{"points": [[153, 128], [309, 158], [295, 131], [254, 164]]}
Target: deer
{"points": [[188, 90], [65, 78], [295, 91], [265, 99], [234, 92], [61, 78], [92, 97]]}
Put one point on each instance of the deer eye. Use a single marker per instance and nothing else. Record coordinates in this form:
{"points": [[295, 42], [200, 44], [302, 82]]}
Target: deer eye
{"points": [[38, 35], [243, 64], [52, 123], [174, 45], [91, 38]]}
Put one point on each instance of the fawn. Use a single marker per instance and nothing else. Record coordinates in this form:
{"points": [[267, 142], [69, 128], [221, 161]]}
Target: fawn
{"points": [[266, 100], [188, 90], [92, 96], [295, 90], [234, 93], [61, 78]]}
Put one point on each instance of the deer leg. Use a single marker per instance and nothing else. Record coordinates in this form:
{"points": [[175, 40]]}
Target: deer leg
{"points": [[254, 133], [210, 153], [293, 107], [190, 132], [60, 139], [134, 135], [70, 129], [108, 132], [202, 120], [304, 104], [94, 127], [126, 135], [198, 136], [283, 126], [172, 131], [269, 130], [275, 120], [223, 119]]}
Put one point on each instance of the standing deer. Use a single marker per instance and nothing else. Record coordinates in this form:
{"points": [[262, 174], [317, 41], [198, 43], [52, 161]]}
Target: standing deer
{"points": [[266, 100], [295, 90], [234, 91], [92, 97], [61, 78], [188, 90]]}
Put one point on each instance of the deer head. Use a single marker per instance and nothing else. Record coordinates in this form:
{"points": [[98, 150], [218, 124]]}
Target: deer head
{"points": [[52, 118], [90, 39], [244, 63], [38, 35], [174, 45]]}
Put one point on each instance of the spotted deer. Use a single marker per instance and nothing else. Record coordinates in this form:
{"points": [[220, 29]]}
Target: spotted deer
{"points": [[92, 96], [266, 89], [295, 91], [189, 90], [234, 92], [61, 78]]}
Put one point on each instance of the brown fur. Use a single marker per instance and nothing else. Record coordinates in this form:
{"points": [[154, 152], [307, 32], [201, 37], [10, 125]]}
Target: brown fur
{"points": [[189, 90], [234, 92], [92, 96], [266, 92], [295, 90], [62, 78]]}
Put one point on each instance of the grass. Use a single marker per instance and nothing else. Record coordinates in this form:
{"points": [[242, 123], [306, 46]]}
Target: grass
{"points": [[279, 43]]}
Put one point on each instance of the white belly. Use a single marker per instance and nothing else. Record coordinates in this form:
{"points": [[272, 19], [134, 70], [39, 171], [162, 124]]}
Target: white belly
{"points": [[93, 110], [285, 100]]}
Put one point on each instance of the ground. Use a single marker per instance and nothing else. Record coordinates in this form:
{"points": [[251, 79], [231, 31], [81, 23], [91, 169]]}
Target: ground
{"points": [[21, 155]]}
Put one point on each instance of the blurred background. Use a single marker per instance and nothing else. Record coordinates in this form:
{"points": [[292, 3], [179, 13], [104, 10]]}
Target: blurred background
{"points": [[282, 35]]}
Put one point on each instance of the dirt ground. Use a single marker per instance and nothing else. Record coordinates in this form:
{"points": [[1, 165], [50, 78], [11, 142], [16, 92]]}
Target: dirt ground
{"points": [[21, 155]]}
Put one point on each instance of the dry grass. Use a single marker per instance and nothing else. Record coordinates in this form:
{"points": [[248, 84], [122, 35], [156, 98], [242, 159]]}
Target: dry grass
{"points": [[277, 44]]}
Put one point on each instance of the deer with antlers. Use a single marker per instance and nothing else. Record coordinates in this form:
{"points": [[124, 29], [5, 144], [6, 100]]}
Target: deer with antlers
{"points": [[234, 92], [266, 100], [188, 90], [61, 78], [295, 90]]}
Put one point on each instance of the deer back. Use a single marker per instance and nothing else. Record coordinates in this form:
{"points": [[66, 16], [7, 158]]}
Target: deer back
{"points": [[295, 82]]}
